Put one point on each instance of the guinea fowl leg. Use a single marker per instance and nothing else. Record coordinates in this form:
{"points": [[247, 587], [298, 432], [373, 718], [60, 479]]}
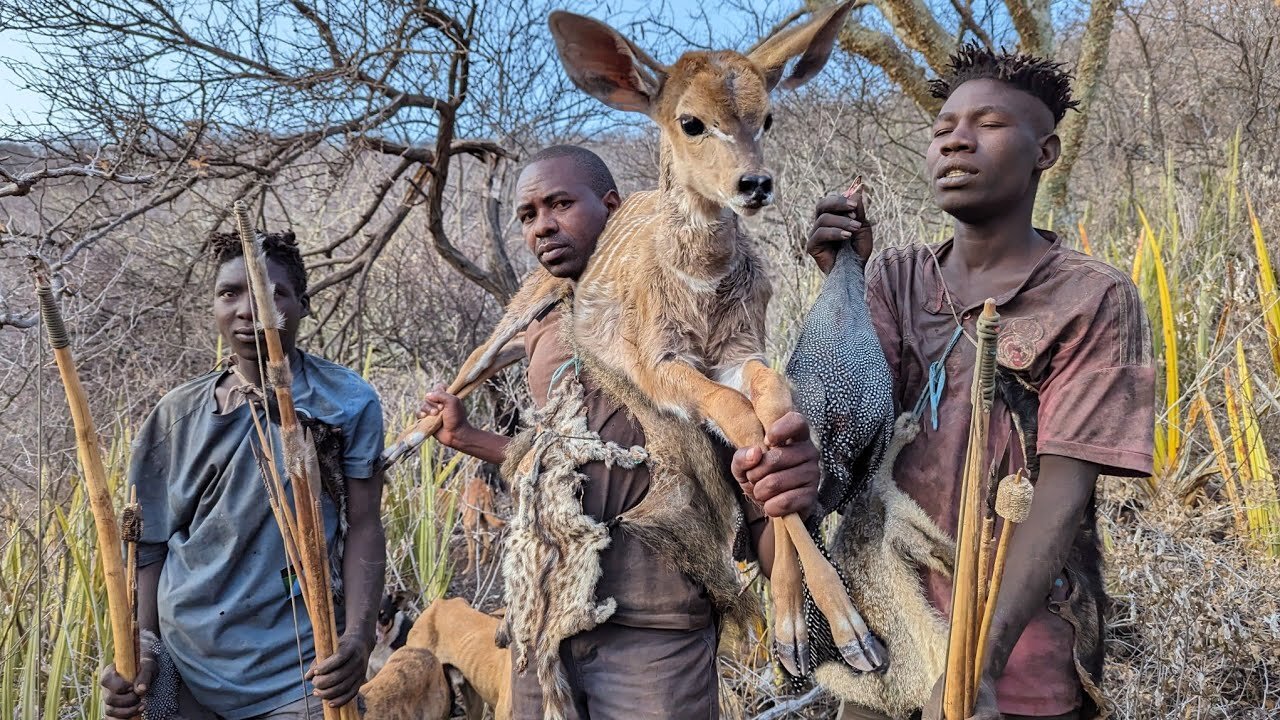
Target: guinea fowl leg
{"points": [[790, 630]]}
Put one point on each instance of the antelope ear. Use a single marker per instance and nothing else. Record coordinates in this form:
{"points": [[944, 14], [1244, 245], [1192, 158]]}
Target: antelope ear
{"points": [[604, 64], [812, 42]]}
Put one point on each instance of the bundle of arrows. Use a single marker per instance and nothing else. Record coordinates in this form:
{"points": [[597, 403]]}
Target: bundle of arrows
{"points": [[976, 582], [302, 523]]}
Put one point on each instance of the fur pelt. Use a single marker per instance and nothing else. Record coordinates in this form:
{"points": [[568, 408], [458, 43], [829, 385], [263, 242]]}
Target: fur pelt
{"points": [[333, 481], [552, 560], [690, 517], [881, 547], [552, 557]]}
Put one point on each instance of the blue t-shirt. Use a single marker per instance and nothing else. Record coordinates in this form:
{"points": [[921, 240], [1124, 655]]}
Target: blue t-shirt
{"points": [[227, 609]]}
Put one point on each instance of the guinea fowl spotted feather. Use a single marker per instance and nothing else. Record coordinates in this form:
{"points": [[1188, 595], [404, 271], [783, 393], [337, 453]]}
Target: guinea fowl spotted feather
{"points": [[843, 386]]}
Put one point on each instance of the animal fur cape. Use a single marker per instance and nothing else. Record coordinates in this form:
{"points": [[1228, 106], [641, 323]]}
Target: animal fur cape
{"points": [[551, 561]]}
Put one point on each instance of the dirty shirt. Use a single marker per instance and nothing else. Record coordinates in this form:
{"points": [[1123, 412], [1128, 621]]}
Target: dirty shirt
{"points": [[1075, 330], [649, 593], [230, 614]]}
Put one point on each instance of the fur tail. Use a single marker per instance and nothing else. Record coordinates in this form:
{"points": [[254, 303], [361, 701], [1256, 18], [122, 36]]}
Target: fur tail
{"points": [[554, 685]]}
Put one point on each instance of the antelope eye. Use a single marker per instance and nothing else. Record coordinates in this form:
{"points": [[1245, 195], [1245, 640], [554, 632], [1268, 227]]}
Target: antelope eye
{"points": [[692, 126], [768, 122]]}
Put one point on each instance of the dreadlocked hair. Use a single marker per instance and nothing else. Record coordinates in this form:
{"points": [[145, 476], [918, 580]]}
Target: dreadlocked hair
{"points": [[1040, 77], [281, 247]]}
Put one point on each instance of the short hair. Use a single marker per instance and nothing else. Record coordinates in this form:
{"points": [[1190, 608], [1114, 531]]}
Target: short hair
{"points": [[1039, 77], [279, 246], [594, 171]]}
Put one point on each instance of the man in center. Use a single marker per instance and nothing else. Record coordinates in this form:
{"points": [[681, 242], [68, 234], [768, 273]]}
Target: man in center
{"points": [[655, 657]]}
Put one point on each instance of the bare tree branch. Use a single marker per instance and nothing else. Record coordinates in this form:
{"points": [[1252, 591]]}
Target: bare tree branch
{"points": [[967, 20], [919, 30], [882, 51], [1094, 48], [1034, 22], [20, 185], [22, 322]]}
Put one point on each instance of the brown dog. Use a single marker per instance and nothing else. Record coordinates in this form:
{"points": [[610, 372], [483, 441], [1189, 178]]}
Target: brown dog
{"points": [[462, 637], [410, 686]]}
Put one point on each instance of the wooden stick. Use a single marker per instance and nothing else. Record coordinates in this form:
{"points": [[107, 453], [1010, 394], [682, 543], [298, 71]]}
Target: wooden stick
{"points": [[1013, 503], [420, 430], [958, 691], [984, 551], [124, 648], [276, 500], [298, 459], [131, 535]]}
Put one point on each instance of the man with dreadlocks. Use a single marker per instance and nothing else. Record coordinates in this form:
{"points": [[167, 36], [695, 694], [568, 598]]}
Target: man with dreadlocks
{"points": [[213, 582], [1074, 344]]}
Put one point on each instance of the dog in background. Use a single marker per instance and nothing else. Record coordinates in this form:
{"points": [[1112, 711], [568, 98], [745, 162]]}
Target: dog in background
{"points": [[481, 525], [392, 631], [412, 685], [462, 637]]}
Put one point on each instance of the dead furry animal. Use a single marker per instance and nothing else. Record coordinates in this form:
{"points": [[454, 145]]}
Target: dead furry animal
{"points": [[880, 546], [411, 686], [551, 562], [462, 637], [394, 620]]}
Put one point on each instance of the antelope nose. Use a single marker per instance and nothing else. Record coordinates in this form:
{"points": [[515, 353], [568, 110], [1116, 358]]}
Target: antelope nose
{"points": [[755, 186]]}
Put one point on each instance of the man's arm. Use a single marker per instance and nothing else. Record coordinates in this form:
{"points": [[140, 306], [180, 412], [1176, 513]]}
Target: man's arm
{"points": [[458, 433], [339, 677], [1038, 551]]}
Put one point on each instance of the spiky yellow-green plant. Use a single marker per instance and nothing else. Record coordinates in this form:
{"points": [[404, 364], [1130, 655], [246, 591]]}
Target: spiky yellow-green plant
{"points": [[1268, 295]]}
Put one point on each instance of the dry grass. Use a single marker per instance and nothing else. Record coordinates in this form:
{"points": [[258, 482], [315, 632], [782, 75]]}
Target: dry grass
{"points": [[1194, 627]]}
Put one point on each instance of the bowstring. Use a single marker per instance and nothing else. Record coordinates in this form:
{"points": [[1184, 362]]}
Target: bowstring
{"points": [[40, 528]]}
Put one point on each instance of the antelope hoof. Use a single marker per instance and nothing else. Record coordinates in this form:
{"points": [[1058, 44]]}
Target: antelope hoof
{"points": [[858, 645], [791, 641], [866, 655]]}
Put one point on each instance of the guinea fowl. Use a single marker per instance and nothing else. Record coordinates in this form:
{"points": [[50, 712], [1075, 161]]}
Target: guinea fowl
{"points": [[842, 385]]}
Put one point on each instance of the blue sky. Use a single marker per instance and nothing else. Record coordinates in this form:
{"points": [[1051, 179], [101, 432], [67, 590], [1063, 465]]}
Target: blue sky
{"points": [[733, 26], [15, 50], [13, 99]]}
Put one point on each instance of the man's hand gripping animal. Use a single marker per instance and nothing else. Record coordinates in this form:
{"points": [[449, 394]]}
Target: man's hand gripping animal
{"points": [[674, 298]]}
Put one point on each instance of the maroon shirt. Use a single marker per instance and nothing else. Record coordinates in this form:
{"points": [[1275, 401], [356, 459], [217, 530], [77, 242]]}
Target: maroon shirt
{"points": [[1076, 331]]}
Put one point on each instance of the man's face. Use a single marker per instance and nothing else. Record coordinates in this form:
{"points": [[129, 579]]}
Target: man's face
{"points": [[561, 217], [233, 309], [990, 143]]}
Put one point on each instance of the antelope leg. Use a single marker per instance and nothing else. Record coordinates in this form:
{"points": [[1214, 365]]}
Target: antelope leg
{"points": [[790, 631], [855, 641], [729, 409], [769, 391]]}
